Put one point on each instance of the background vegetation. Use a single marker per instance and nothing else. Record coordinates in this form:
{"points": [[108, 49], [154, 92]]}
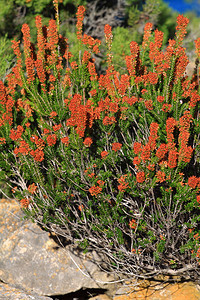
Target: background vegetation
{"points": [[127, 18]]}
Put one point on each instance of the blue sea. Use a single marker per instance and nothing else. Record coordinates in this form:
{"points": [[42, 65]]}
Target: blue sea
{"points": [[183, 6]]}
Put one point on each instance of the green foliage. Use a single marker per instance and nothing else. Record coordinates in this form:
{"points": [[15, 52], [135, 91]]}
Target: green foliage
{"points": [[7, 57]]}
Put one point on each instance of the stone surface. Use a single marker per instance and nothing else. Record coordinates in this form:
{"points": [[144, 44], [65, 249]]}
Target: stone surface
{"points": [[157, 291], [33, 262], [101, 297], [10, 293]]}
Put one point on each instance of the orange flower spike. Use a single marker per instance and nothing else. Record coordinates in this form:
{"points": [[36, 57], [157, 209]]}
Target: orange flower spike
{"points": [[30, 69], [146, 153], [158, 38], [92, 71], [16, 50], [134, 48], [153, 135], [160, 176], [161, 152], [52, 35], [41, 41], [172, 159], [147, 33], [108, 34], [79, 24], [182, 23], [26, 38], [170, 126]]}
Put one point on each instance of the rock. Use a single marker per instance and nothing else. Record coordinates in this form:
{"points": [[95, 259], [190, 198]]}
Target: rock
{"points": [[101, 297], [32, 261], [7, 292], [158, 291]]}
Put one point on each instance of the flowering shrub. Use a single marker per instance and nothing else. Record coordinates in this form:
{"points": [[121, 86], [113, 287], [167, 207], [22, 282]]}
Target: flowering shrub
{"points": [[108, 161]]}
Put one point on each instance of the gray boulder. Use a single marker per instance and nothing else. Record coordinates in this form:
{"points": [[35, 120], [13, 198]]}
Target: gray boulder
{"points": [[32, 261], [10, 293]]}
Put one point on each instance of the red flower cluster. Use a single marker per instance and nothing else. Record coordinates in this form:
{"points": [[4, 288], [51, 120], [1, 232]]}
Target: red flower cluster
{"points": [[86, 57], [137, 147], [40, 143], [24, 202], [160, 176], [146, 153], [133, 224], [161, 152], [51, 139], [166, 107], [16, 134], [2, 141], [109, 120], [38, 155], [57, 127], [116, 146], [104, 154], [140, 177], [87, 141], [65, 140], [91, 43], [160, 99], [193, 182], [136, 160], [95, 190], [30, 69], [23, 149], [197, 47], [78, 115], [32, 188], [123, 185]]}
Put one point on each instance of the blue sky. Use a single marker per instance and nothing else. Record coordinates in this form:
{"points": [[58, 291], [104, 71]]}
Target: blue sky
{"points": [[182, 6]]}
